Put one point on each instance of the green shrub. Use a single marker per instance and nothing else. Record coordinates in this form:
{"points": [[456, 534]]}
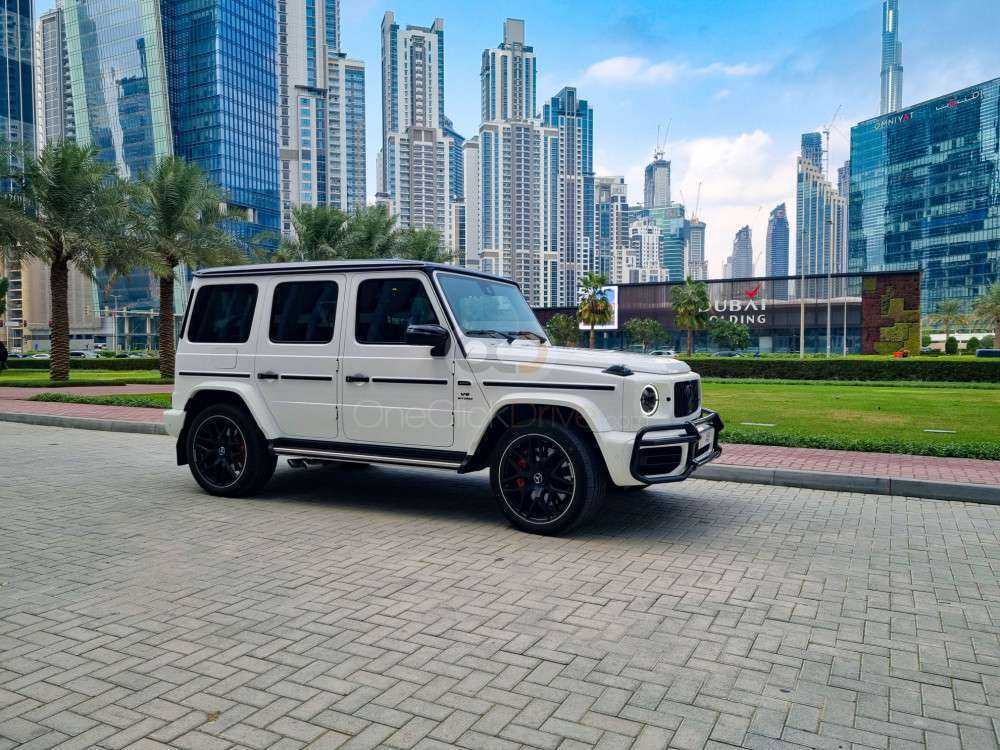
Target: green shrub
{"points": [[925, 340], [146, 363], [972, 344], [911, 368], [987, 342], [951, 345]]}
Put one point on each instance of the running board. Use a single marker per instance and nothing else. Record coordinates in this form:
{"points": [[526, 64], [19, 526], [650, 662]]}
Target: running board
{"points": [[433, 459]]}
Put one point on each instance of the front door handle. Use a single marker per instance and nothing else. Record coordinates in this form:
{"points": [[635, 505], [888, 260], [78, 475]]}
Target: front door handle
{"points": [[359, 378], [267, 376]]}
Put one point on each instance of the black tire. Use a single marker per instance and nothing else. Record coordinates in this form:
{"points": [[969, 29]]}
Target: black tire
{"points": [[547, 478], [227, 453]]}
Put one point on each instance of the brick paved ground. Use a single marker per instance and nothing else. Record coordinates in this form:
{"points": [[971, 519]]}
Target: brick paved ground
{"points": [[399, 610]]}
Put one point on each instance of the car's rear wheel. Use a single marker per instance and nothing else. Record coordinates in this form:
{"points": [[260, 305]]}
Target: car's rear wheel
{"points": [[546, 477], [227, 453]]}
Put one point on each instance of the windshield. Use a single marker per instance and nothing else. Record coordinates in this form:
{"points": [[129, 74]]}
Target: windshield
{"points": [[491, 309]]}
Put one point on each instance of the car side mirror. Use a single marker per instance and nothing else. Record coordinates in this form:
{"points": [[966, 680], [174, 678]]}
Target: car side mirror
{"points": [[432, 335]]}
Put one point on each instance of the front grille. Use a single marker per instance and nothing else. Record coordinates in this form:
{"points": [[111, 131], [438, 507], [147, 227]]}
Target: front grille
{"points": [[662, 460], [687, 397]]}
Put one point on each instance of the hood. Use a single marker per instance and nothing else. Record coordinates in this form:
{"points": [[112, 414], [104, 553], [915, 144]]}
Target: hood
{"points": [[596, 358]]}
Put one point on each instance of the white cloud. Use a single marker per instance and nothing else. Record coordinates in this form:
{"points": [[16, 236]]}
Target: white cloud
{"points": [[742, 178], [721, 94], [640, 70]]}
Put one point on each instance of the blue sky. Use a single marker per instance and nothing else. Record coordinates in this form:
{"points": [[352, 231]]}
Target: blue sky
{"points": [[739, 80]]}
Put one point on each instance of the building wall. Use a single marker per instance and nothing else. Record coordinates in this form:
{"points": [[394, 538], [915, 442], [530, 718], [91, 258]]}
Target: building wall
{"points": [[923, 194]]}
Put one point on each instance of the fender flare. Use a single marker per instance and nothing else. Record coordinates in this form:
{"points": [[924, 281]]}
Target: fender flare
{"points": [[249, 395]]}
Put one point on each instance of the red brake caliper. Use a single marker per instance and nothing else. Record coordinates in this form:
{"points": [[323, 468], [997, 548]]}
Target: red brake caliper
{"points": [[522, 463]]}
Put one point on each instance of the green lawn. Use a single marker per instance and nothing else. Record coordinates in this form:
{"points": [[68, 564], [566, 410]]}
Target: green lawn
{"points": [[40, 378], [873, 417]]}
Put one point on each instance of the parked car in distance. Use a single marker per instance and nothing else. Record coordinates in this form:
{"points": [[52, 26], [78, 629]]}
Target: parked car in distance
{"points": [[988, 352], [426, 365], [39, 355], [663, 353], [726, 353]]}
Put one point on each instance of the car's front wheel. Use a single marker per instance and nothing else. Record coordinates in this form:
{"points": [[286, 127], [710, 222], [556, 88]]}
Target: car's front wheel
{"points": [[547, 477], [227, 453]]}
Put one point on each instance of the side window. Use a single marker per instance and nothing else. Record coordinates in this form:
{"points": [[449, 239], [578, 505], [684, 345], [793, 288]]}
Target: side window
{"points": [[387, 306], [223, 314], [303, 312]]}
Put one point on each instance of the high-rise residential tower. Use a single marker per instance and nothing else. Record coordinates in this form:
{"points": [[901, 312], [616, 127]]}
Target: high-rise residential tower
{"points": [[518, 174], [697, 265], [573, 120], [819, 216], [740, 264], [656, 184], [612, 216], [53, 90], [892, 59], [776, 251], [812, 149], [415, 168], [321, 111]]}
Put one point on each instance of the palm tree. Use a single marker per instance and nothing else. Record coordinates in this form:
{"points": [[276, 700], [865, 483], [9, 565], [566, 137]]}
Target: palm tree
{"points": [[4, 285], [178, 218], [594, 308], [690, 303], [421, 244], [70, 209], [949, 314], [320, 234], [987, 308], [371, 233]]}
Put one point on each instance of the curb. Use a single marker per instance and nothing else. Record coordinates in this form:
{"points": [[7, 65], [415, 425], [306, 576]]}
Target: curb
{"points": [[822, 480], [84, 423], [812, 480]]}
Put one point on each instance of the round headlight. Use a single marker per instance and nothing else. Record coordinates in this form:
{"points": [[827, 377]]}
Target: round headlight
{"points": [[649, 399]]}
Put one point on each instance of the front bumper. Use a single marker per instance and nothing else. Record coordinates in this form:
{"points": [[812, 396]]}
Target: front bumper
{"points": [[173, 421], [669, 453]]}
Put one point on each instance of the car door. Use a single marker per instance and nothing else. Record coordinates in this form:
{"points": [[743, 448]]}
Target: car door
{"points": [[394, 393], [297, 354]]}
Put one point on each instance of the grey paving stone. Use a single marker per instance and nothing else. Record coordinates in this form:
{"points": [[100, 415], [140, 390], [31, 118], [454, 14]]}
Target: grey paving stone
{"points": [[394, 608]]}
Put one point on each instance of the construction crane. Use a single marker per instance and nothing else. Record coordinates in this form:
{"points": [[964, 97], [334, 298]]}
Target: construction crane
{"points": [[661, 147], [697, 202], [826, 141]]}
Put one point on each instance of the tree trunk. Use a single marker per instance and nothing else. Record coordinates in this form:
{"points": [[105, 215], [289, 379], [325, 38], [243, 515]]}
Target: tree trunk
{"points": [[59, 332], [166, 327], [591, 335], [690, 340]]}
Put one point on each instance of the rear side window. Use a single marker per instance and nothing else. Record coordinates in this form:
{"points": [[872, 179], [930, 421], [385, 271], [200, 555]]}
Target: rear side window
{"points": [[223, 314], [387, 306], [303, 312]]}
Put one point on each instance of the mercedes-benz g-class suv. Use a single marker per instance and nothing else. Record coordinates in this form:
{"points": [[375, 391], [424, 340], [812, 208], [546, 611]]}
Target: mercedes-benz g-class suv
{"points": [[421, 364]]}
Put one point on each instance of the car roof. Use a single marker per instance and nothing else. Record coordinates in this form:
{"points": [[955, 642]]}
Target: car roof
{"points": [[339, 266]]}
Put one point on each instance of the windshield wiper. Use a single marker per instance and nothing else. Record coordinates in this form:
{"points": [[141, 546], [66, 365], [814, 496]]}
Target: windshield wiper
{"points": [[540, 337], [493, 332]]}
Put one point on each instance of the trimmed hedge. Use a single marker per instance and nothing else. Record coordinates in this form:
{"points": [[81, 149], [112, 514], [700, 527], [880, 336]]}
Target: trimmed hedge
{"points": [[958, 371], [118, 365]]}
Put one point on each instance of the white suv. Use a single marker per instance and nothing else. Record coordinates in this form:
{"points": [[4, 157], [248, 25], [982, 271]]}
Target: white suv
{"points": [[420, 364]]}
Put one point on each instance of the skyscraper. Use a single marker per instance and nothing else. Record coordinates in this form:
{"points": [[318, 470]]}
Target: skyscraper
{"points": [[776, 251], [573, 120], [892, 59], [819, 216], [53, 90], [223, 96], [812, 149], [612, 216], [656, 192], [740, 263], [17, 108], [321, 110], [519, 174], [697, 265], [416, 159], [923, 194], [473, 203]]}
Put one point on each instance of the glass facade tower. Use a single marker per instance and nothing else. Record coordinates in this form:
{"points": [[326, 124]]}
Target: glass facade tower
{"points": [[223, 100], [925, 193]]}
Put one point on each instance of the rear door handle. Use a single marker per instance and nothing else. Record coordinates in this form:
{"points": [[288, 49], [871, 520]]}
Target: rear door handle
{"points": [[359, 378], [267, 376]]}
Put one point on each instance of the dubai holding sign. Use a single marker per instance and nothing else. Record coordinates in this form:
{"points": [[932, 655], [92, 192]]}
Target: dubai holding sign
{"points": [[748, 311]]}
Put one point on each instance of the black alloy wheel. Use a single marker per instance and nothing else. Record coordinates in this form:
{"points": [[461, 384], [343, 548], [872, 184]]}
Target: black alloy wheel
{"points": [[220, 451], [537, 480], [227, 453]]}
